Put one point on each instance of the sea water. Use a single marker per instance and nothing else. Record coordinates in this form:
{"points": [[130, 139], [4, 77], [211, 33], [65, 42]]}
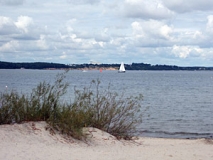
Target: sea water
{"points": [[179, 103]]}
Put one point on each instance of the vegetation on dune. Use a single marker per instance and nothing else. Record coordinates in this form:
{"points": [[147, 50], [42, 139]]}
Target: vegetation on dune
{"points": [[91, 107]]}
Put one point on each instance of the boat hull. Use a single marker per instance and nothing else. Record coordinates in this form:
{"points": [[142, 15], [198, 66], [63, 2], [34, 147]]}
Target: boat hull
{"points": [[121, 71]]}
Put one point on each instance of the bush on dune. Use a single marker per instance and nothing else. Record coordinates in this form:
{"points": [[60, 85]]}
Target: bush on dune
{"points": [[91, 107], [108, 111], [42, 103]]}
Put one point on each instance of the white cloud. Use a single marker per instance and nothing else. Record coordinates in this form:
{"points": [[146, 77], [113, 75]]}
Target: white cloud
{"points": [[152, 9], [182, 6], [41, 43], [7, 26], [187, 51], [24, 22], [151, 33], [63, 56], [165, 31], [11, 46], [198, 35], [209, 25], [138, 30], [4, 20], [181, 51]]}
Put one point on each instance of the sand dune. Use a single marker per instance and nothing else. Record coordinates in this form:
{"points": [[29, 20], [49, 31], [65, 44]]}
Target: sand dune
{"points": [[31, 141]]}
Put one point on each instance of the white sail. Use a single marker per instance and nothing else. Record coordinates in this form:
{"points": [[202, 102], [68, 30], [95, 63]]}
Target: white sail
{"points": [[122, 68]]}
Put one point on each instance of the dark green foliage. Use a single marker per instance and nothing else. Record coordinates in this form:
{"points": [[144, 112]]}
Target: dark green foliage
{"points": [[42, 104], [91, 107], [11, 107], [34, 65]]}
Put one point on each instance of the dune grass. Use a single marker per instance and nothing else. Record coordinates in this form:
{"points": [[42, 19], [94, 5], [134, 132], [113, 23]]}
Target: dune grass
{"points": [[91, 107]]}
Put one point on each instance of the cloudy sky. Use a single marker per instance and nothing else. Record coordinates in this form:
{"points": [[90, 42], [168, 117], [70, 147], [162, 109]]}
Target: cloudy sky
{"points": [[173, 32]]}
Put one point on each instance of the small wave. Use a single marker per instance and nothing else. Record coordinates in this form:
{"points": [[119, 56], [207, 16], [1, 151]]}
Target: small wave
{"points": [[184, 135]]}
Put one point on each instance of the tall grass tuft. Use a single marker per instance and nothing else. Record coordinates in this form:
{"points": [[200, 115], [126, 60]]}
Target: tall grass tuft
{"points": [[91, 107], [108, 111]]}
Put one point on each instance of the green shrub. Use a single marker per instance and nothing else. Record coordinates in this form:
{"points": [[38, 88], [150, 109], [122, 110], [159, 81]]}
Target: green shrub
{"points": [[91, 107], [108, 111], [43, 103], [11, 109]]}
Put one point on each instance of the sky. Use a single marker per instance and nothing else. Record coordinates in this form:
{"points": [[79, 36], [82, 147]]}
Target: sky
{"points": [[171, 32]]}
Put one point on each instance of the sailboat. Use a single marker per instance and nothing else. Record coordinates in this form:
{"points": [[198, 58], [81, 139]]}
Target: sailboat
{"points": [[122, 68]]}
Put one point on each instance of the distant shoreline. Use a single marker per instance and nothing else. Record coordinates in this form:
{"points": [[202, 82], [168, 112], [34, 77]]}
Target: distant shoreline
{"points": [[133, 66]]}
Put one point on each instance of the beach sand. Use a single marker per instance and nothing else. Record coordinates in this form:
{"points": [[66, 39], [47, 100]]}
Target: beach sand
{"points": [[31, 141]]}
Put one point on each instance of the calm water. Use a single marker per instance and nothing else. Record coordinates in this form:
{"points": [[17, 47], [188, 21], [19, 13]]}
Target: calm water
{"points": [[180, 102]]}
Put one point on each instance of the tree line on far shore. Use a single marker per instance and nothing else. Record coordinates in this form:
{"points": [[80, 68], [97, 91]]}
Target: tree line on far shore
{"points": [[133, 66]]}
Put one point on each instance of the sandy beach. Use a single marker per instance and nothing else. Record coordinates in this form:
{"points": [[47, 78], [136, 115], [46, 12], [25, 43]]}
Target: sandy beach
{"points": [[32, 141]]}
